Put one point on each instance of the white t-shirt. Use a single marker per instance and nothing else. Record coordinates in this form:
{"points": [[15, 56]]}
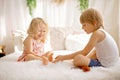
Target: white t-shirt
{"points": [[107, 51]]}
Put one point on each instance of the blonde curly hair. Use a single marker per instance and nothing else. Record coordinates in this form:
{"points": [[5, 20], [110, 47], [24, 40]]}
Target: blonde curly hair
{"points": [[35, 25]]}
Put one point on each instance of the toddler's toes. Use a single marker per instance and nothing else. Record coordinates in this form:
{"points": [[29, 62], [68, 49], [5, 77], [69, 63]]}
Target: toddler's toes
{"points": [[50, 57], [45, 61]]}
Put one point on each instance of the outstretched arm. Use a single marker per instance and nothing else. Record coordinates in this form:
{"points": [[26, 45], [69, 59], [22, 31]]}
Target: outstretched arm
{"points": [[90, 45], [66, 57]]}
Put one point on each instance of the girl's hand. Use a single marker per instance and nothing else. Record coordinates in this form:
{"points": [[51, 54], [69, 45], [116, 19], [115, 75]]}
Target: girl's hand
{"points": [[58, 58]]}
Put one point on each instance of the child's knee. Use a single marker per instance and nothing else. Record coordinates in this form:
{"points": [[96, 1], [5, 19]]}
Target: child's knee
{"points": [[77, 60], [28, 57]]}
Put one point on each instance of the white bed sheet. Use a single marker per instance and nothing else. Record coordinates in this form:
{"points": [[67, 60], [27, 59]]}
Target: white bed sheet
{"points": [[10, 69]]}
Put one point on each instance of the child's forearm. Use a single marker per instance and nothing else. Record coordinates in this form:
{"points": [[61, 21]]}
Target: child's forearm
{"points": [[70, 56]]}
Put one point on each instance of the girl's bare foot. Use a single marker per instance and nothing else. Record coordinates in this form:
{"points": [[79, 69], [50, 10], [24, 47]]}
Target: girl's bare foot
{"points": [[50, 57], [44, 60]]}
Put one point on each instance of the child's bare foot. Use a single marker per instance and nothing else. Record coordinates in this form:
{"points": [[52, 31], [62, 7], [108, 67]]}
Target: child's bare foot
{"points": [[44, 60], [86, 68], [50, 57]]}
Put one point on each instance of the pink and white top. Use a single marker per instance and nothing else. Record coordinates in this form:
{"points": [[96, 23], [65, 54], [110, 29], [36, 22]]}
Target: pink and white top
{"points": [[38, 48]]}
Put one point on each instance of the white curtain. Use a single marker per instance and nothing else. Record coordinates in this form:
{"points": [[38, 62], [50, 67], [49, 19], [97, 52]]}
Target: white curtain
{"points": [[110, 12], [62, 15], [14, 15]]}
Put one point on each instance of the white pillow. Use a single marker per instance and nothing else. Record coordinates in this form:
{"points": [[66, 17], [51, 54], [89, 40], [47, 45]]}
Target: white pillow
{"points": [[47, 46], [19, 36], [76, 42]]}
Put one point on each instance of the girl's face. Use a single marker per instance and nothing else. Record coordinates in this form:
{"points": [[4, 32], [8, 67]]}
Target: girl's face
{"points": [[88, 28], [41, 33]]}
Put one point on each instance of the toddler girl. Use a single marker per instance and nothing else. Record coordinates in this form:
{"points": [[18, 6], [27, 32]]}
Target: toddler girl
{"points": [[34, 42]]}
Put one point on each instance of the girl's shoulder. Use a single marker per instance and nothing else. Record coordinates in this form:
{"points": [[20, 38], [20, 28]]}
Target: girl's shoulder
{"points": [[28, 39]]}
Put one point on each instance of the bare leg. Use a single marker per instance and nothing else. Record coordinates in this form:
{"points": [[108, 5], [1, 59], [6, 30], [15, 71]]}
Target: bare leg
{"points": [[49, 55], [82, 62], [33, 57], [44, 60]]}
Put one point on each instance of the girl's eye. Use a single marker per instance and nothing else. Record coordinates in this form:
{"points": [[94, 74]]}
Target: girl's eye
{"points": [[43, 31]]}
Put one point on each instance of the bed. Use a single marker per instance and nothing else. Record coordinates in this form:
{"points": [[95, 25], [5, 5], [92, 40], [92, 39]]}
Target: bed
{"points": [[68, 40], [10, 69]]}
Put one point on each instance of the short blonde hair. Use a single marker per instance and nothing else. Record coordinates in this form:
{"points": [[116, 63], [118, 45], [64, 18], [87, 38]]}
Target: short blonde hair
{"points": [[37, 23], [91, 15]]}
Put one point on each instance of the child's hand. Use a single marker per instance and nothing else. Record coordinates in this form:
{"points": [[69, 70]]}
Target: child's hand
{"points": [[58, 58]]}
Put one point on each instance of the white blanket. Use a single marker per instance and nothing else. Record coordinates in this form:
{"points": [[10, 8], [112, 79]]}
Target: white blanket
{"points": [[10, 69]]}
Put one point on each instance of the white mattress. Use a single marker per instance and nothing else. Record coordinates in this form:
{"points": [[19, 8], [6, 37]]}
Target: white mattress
{"points": [[10, 69]]}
